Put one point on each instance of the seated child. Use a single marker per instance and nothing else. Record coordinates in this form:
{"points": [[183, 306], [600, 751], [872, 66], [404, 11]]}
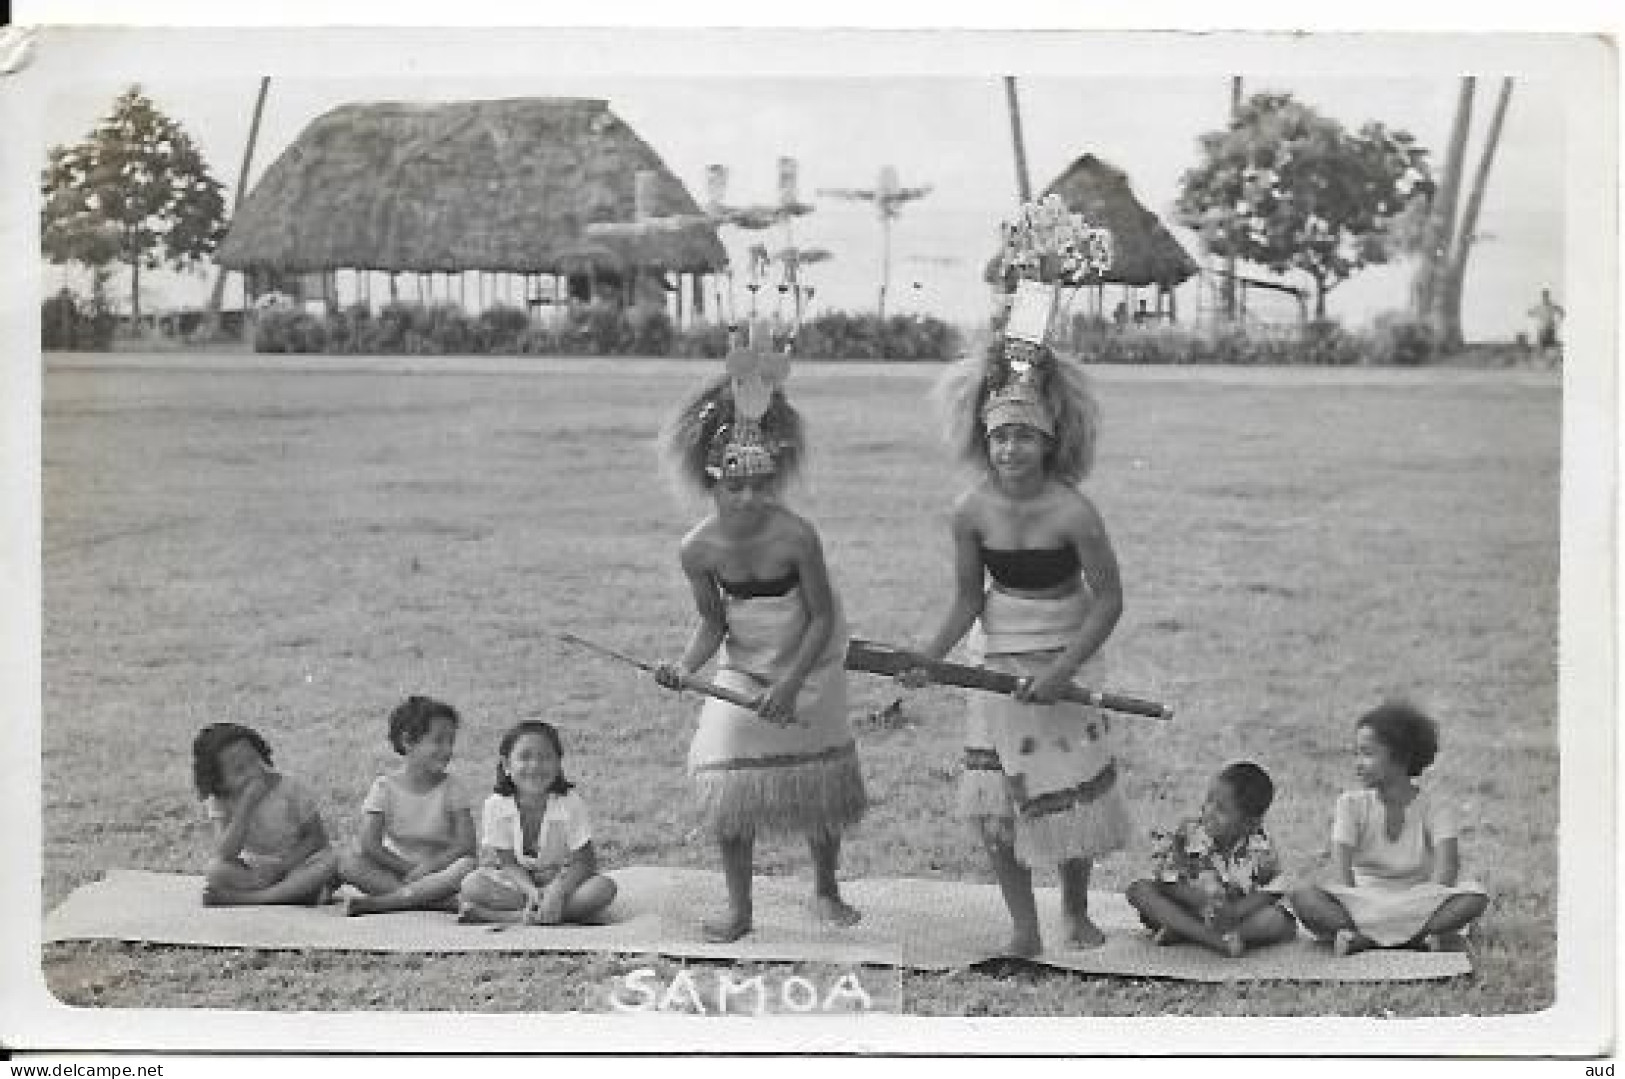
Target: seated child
{"points": [[1217, 878], [1395, 862], [417, 838], [537, 863], [270, 844]]}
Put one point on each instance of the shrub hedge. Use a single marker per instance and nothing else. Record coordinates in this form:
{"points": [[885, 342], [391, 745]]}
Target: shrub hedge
{"points": [[445, 329], [68, 322]]}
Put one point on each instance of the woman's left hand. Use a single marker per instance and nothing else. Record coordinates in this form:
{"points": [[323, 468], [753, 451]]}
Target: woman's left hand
{"points": [[778, 704], [1044, 688]]}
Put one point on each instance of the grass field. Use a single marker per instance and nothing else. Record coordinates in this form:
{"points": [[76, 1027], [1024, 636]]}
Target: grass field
{"points": [[298, 549]]}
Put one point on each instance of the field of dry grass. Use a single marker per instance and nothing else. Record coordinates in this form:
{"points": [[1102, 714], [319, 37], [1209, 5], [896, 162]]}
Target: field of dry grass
{"points": [[298, 549]]}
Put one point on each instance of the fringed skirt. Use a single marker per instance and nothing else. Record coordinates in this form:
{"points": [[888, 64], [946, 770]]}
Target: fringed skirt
{"points": [[753, 776], [1042, 777]]}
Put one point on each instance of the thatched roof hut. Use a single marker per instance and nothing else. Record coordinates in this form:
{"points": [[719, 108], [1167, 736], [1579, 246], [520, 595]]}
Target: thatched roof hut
{"points": [[506, 186], [1144, 252]]}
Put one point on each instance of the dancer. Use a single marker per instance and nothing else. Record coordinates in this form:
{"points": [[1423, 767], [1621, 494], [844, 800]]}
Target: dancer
{"points": [[537, 860], [1396, 859], [417, 836], [270, 844], [1035, 573], [756, 570]]}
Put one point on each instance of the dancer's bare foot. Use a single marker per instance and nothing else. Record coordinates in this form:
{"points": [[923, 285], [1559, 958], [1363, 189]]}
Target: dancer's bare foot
{"points": [[726, 929], [831, 910], [1024, 945], [1083, 933]]}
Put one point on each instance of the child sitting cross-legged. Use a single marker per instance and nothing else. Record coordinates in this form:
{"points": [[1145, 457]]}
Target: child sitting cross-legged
{"points": [[537, 861], [417, 834], [1217, 879], [270, 845]]}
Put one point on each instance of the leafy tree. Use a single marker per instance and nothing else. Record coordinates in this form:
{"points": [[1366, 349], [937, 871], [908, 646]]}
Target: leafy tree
{"points": [[136, 191], [1287, 188]]}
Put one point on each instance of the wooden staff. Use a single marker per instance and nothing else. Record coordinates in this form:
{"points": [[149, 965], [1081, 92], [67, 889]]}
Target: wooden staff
{"points": [[873, 658], [698, 685]]}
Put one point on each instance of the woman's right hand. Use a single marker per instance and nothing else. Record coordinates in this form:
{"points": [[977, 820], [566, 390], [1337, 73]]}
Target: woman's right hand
{"points": [[916, 676], [669, 676]]}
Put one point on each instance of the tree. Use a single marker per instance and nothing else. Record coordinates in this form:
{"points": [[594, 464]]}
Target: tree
{"points": [[1024, 184], [217, 294], [1289, 189], [1446, 243], [136, 191]]}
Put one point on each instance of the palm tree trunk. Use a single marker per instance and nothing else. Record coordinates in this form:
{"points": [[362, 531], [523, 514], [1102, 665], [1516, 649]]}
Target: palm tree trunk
{"points": [[1457, 272], [885, 263], [1024, 184], [1438, 234], [212, 319], [1230, 247]]}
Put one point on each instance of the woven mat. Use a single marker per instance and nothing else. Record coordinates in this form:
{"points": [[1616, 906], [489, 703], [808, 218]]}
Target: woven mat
{"points": [[907, 922]]}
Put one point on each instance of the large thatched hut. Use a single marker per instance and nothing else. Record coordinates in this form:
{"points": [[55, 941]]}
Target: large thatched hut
{"points": [[1144, 253], [504, 188]]}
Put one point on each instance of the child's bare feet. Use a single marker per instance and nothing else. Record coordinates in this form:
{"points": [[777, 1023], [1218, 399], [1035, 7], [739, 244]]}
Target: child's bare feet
{"points": [[1348, 942], [1083, 933], [830, 910], [726, 929], [1447, 942]]}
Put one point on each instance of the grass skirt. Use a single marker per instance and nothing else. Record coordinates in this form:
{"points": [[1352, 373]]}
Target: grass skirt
{"points": [[1042, 776], [752, 776]]}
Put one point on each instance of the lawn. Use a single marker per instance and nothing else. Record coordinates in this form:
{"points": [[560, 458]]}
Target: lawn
{"points": [[297, 549]]}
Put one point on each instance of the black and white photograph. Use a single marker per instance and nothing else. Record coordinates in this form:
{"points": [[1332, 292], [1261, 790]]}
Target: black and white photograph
{"points": [[731, 540]]}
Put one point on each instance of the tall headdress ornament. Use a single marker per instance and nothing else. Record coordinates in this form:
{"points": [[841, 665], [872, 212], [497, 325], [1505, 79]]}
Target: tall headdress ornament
{"points": [[743, 444], [1045, 249]]}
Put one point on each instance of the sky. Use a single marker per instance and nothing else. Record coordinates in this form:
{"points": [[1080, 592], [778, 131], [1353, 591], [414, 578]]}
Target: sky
{"points": [[948, 130]]}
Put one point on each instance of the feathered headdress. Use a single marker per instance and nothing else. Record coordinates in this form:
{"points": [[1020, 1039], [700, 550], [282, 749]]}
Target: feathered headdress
{"points": [[1020, 379], [740, 424]]}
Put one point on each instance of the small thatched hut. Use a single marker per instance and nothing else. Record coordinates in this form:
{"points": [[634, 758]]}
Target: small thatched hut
{"points": [[1144, 252], [505, 187]]}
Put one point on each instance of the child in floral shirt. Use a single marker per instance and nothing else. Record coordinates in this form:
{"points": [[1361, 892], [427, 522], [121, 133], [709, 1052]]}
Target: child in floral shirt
{"points": [[1216, 879]]}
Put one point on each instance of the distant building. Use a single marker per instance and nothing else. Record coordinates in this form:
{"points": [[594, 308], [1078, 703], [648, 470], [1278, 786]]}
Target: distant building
{"points": [[430, 196]]}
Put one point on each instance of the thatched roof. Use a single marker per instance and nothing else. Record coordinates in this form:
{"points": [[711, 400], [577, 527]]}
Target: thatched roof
{"points": [[472, 185], [1144, 252]]}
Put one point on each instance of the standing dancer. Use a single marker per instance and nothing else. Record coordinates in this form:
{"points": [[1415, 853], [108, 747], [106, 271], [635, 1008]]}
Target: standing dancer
{"points": [[764, 599], [1040, 780]]}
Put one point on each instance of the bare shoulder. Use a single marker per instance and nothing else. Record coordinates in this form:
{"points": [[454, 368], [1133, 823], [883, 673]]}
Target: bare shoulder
{"points": [[1077, 511], [698, 550], [795, 531], [973, 507]]}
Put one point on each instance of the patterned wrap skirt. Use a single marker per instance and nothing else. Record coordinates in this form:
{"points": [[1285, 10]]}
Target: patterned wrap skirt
{"points": [[1042, 777]]}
